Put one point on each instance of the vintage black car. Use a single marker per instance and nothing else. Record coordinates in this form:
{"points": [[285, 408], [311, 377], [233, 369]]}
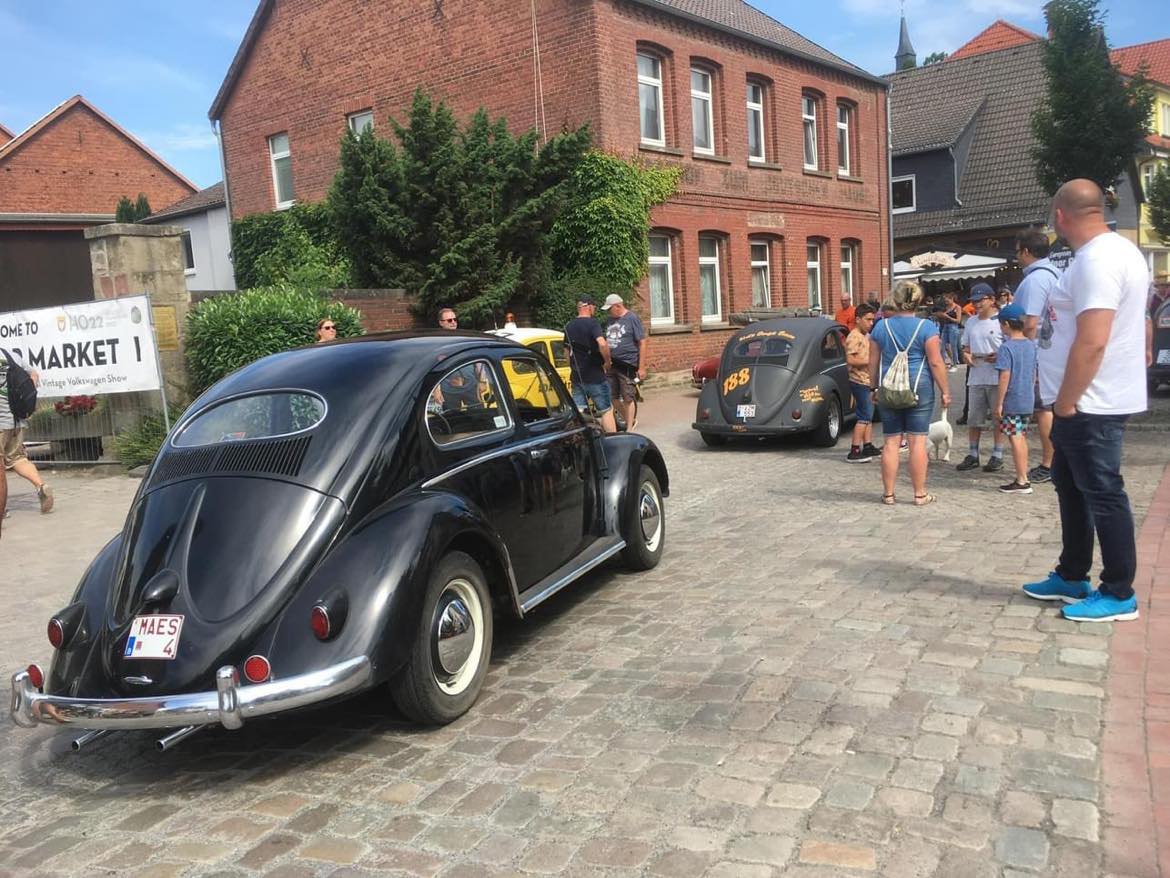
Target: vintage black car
{"points": [[779, 376], [339, 517], [1159, 370]]}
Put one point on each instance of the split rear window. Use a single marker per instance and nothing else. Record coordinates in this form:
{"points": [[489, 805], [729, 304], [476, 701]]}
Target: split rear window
{"points": [[770, 350]]}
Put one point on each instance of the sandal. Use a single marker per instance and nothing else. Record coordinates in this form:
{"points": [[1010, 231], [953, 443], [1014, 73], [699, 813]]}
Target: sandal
{"points": [[888, 499], [923, 499]]}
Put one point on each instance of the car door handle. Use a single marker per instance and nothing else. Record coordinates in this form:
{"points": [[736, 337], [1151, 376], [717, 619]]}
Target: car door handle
{"points": [[537, 453]]}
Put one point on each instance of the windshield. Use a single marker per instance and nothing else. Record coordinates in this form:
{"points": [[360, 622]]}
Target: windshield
{"points": [[259, 416]]}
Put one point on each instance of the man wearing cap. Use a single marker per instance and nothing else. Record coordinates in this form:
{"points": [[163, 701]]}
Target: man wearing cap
{"points": [[588, 362], [980, 343], [627, 342]]}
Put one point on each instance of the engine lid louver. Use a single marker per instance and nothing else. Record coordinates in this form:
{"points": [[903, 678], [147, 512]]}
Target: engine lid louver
{"points": [[282, 457]]}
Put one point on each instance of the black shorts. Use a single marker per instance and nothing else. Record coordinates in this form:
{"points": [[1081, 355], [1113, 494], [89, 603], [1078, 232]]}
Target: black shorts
{"points": [[621, 381]]}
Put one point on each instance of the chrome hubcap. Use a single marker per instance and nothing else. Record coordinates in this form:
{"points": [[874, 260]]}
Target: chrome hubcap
{"points": [[650, 515], [457, 636], [834, 420]]}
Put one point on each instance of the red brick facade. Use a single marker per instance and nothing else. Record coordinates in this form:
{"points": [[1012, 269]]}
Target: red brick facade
{"points": [[309, 63]]}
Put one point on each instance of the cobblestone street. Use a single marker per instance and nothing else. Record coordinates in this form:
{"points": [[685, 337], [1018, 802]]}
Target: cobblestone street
{"points": [[810, 684]]}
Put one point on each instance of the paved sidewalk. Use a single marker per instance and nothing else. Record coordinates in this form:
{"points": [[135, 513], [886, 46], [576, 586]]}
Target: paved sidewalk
{"points": [[809, 685]]}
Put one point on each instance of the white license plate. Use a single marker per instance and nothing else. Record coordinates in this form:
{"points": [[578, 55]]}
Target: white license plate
{"points": [[1164, 357], [745, 411], [153, 637]]}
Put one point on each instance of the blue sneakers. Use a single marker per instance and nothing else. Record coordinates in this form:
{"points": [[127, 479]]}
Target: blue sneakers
{"points": [[1056, 589], [1099, 607]]}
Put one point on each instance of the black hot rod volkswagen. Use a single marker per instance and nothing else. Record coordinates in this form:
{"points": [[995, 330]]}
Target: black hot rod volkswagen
{"points": [[338, 517]]}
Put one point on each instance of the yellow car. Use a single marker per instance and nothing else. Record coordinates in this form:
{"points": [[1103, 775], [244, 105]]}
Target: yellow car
{"points": [[548, 342]]}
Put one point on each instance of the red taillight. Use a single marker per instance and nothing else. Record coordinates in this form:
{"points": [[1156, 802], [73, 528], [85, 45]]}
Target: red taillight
{"points": [[704, 414], [796, 413], [319, 622], [256, 669], [56, 633], [36, 676]]}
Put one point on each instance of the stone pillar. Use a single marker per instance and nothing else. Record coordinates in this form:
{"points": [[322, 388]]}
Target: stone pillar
{"points": [[129, 259]]}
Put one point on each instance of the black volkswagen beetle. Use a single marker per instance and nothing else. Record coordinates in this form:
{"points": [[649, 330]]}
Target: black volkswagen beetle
{"points": [[779, 376], [338, 517]]}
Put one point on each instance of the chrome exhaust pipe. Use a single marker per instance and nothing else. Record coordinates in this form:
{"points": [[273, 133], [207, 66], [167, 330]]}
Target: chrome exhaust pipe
{"points": [[88, 738], [169, 741]]}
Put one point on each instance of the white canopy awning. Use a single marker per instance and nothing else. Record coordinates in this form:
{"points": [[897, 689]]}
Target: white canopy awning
{"points": [[960, 267]]}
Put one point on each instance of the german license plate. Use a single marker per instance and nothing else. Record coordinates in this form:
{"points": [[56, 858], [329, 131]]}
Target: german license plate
{"points": [[1164, 357], [745, 411], [153, 637]]}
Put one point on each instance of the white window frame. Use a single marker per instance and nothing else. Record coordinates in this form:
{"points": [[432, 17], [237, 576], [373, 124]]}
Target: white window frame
{"points": [[844, 151], [1164, 128], [273, 158], [808, 118], [657, 84], [708, 98], [704, 261], [188, 247], [766, 265], [666, 261], [848, 270], [913, 191], [352, 121], [1149, 171], [814, 265], [755, 119]]}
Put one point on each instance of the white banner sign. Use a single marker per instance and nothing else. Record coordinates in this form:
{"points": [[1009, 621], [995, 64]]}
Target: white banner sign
{"points": [[89, 348]]}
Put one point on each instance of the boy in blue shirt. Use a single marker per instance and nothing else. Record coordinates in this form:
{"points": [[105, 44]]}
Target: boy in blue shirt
{"points": [[1016, 362]]}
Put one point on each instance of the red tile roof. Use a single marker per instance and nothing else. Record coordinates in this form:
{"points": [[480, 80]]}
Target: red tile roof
{"points": [[1155, 55], [1000, 35]]}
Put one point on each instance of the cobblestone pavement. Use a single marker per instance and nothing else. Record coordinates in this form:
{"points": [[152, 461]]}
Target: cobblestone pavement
{"points": [[810, 684]]}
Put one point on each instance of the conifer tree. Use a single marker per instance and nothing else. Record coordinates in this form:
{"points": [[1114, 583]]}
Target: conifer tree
{"points": [[1158, 203]]}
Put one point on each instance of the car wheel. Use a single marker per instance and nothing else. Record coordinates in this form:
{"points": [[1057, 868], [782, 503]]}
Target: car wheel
{"points": [[830, 429], [645, 529], [452, 646], [713, 440]]}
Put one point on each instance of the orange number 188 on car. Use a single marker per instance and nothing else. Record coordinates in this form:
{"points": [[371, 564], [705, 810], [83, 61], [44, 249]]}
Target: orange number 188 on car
{"points": [[736, 379]]}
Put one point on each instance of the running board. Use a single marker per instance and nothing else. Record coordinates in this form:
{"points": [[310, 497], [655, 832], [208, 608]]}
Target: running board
{"points": [[598, 553]]}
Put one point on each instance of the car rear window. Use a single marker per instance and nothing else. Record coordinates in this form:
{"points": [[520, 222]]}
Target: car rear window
{"points": [[259, 416], [770, 350]]}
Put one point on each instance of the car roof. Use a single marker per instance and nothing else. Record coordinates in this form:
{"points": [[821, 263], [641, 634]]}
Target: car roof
{"points": [[801, 327], [525, 334]]}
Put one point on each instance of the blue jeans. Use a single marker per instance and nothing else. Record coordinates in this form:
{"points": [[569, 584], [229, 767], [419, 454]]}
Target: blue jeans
{"points": [[1086, 472], [862, 402], [951, 333], [599, 393], [912, 422]]}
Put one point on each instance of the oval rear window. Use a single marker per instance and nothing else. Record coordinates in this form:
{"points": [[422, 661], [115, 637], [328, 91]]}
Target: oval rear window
{"points": [[260, 416]]}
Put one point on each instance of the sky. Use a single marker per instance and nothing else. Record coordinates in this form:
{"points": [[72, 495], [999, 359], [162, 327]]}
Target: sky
{"points": [[155, 66]]}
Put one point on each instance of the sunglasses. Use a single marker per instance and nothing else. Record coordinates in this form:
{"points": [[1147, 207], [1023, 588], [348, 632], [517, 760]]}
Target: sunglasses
{"points": [[329, 328], [449, 320]]}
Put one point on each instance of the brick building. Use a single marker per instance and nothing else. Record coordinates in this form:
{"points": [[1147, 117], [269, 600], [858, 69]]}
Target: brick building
{"points": [[783, 200], [66, 172]]}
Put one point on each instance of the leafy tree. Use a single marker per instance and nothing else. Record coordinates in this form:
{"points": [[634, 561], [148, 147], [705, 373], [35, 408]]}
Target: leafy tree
{"points": [[128, 211], [1158, 203], [934, 58], [1093, 120], [458, 216], [297, 246]]}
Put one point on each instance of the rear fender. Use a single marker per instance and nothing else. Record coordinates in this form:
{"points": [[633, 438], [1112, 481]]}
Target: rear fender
{"points": [[384, 566], [70, 665]]}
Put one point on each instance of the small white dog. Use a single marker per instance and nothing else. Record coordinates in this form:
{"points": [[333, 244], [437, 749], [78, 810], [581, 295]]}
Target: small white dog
{"points": [[939, 438]]}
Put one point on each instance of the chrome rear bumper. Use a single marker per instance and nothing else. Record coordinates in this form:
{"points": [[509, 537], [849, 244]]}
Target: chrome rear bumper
{"points": [[230, 703]]}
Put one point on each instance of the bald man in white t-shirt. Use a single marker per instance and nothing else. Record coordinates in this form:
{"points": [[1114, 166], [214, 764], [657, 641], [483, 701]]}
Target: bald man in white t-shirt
{"points": [[1093, 375]]}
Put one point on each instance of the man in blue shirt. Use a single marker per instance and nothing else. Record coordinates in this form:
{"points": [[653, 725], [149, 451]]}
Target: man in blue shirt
{"points": [[1040, 280]]}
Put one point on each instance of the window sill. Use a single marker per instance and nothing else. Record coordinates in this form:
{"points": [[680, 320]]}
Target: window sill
{"points": [[816, 172], [709, 157], [719, 324], [897, 210], [188, 271], [849, 178], [765, 166], [670, 328], [664, 150]]}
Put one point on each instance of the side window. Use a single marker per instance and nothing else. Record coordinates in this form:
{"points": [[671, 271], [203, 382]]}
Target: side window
{"points": [[560, 352], [537, 397], [464, 404], [831, 349]]}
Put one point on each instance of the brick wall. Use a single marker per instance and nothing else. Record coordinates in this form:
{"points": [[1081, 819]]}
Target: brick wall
{"points": [[79, 164], [317, 60]]}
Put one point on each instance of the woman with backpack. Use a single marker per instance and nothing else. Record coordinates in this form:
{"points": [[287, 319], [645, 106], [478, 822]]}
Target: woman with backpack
{"points": [[901, 349]]}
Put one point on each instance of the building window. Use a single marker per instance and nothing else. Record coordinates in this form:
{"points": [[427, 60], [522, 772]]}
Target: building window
{"points": [[661, 281], [188, 253], [1148, 172], [761, 275], [755, 122], [814, 275], [701, 116], [361, 122], [902, 194], [650, 99], [843, 157], [709, 291], [1166, 120], [808, 115], [282, 179], [848, 261]]}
